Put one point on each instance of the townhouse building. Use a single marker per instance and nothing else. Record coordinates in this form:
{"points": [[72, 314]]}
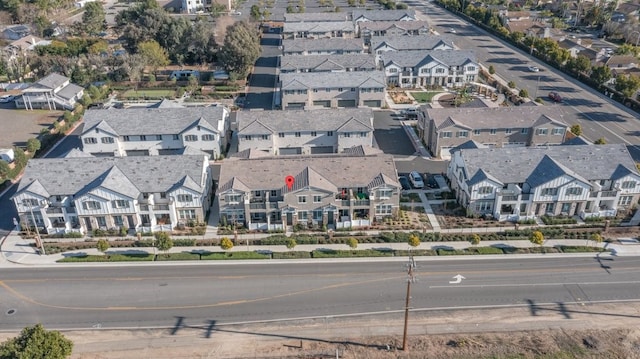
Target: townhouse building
{"points": [[80, 192], [317, 16], [527, 182], [156, 131], [371, 29], [52, 92], [327, 63], [445, 128], [347, 190], [325, 46], [408, 43], [332, 89], [383, 15], [449, 68], [318, 30], [305, 132]]}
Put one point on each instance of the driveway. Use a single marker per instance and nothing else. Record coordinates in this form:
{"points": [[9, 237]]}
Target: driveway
{"points": [[262, 83]]}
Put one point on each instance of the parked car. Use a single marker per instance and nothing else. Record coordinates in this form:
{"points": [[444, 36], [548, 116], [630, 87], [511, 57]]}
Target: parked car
{"points": [[404, 182], [555, 97], [7, 98], [452, 31], [534, 69], [416, 180], [410, 113]]}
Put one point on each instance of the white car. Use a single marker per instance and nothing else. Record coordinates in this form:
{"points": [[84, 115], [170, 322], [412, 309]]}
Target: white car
{"points": [[416, 180], [452, 31], [534, 69]]}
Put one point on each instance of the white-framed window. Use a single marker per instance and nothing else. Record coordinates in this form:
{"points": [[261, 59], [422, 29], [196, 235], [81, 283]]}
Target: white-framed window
{"points": [[126, 138], [107, 140], [184, 198], [383, 209], [485, 190], [507, 131], [550, 207], [281, 134], [542, 131], [439, 70], [314, 133], [143, 138], [102, 221], [317, 214], [476, 132], [298, 134], [385, 193], [558, 131], [264, 137], [483, 206], [302, 199], [90, 140], [303, 215], [329, 133], [117, 220], [158, 137], [463, 134], [446, 134], [91, 205], [317, 198], [190, 138], [574, 191], [393, 70], [208, 137], [176, 137], [234, 198], [629, 184], [625, 200], [549, 192], [524, 131], [30, 202], [493, 131], [187, 214], [120, 203], [346, 134]]}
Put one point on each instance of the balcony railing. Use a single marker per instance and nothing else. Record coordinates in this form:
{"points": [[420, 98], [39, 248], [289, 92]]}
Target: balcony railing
{"points": [[51, 210], [258, 205], [345, 203], [608, 194], [160, 207], [273, 205], [510, 198], [361, 202]]}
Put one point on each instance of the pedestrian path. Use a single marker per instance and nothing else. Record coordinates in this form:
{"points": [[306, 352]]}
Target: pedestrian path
{"points": [[429, 212]]}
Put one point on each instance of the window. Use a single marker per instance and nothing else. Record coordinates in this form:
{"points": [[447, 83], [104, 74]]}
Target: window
{"points": [[302, 199], [143, 138], [234, 198], [208, 137], [107, 139], [574, 191], [558, 131], [524, 131], [353, 89], [493, 131], [542, 131], [485, 190], [625, 200], [184, 198], [446, 134], [117, 220], [330, 133], [314, 133], [439, 70], [120, 203], [340, 89], [463, 134], [273, 193], [264, 137], [363, 134], [193, 138], [483, 206], [187, 214], [327, 90], [476, 132], [145, 195], [303, 215], [383, 210], [90, 141], [176, 137], [30, 202], [566, 207], [549, 192], [126, 138], [163, 195], [102, 221], [158, 137], [628, 184], [471, 68], [385, 193], [550, 208], [281, 134], [297, 134], [91, 205], [317, 198], [507, 131], [346, 134], [317, 214], [393, 70]]}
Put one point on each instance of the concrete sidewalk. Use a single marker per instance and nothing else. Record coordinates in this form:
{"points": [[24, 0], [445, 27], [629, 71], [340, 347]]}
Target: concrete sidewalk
{"points": [[16, 251]]}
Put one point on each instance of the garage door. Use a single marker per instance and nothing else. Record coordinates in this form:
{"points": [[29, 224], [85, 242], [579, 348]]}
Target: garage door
{"points": [[322, 103], [372, 103], [138, 153], [346, 103], [321, 149], [289, 151]]}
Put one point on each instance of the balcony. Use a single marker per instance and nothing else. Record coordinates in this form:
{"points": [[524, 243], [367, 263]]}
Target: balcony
{"points": [[608, 194], [52, 210], [361, 202], [160, 207], [258, 205], [509, 198], [273, 205], [345, 203]]}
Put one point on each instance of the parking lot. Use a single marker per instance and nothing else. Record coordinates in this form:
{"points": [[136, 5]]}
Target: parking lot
{"points": [[20, 125]]}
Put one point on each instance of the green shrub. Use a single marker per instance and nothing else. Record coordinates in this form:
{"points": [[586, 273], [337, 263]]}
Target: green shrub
{"points": [[185, 256], [291, 255], [487, 250], [348, 253], [580, 249], [414, 252], [127, 257], [234, 255], [186, 242]]}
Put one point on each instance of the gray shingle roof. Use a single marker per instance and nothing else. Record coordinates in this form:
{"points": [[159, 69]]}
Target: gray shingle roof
{"points": [[328, 172], [325, 44], [319, 26], [404, 43], [271, 122], [73, 175], [311, 80], [533, 164], [316, 16], [152, 121], [382, 15], [422, 57], [69, 91], [492, 117], [386, 25], [52, 81], [327, 62]]}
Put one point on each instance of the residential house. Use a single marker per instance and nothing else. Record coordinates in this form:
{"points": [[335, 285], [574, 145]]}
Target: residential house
{"points": [[534, 28], [332, 89], [318, 30], [442, 129], [305, 132], [522, 183], [450, 68], [316, 17], [326, 46], [622, 62], [52, 92], [329, 191], [156, 131], [370, 29], [408, 43], [327, 63], [22, 46], [383, 15], [81, 193], [16, 32], [194, 6], [507, 16]]}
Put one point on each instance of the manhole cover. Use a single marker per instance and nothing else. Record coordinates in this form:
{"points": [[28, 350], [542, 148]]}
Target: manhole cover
{"points": [[11, 312]]}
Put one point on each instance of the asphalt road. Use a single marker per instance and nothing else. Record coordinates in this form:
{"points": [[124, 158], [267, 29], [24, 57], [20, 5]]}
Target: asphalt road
{"points": [[262, 83], [596, 114], [199, 295]]}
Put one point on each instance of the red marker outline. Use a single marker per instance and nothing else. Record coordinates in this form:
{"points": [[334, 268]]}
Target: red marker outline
{"points": [[289, 180]]}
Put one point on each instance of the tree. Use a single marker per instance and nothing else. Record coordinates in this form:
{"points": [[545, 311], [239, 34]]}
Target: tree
{"points": [[102, 245], [576, 130], [475, 239], [511, 85], [352, 243], [241, 49], [19, 157], [596, 238], [414, 240], [37, 343], [153, 54], [492, 70], [4, 170], [523, 93], [627, 84], [291, 243], [600, 74], [600, 141], [226, 244], [163, 241], [255, 12], [33, 145], [93, 19], [537, 238]]}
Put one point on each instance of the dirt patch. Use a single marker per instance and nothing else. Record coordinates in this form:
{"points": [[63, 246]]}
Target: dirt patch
{"points": [[20, 125], [451, 215]]}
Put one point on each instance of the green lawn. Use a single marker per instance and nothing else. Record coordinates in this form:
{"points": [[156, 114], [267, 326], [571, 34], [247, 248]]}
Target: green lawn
{"points": [[423, 96], [155, 94]]}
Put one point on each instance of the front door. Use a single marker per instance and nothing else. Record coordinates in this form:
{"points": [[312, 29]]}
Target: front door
{"points": [[87, 223], [130, 221], [330, 217], [289, 219]]}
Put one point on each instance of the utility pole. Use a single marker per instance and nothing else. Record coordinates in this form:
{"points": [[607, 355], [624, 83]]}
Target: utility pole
{"points": [[38, 239], [410, 279]]}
